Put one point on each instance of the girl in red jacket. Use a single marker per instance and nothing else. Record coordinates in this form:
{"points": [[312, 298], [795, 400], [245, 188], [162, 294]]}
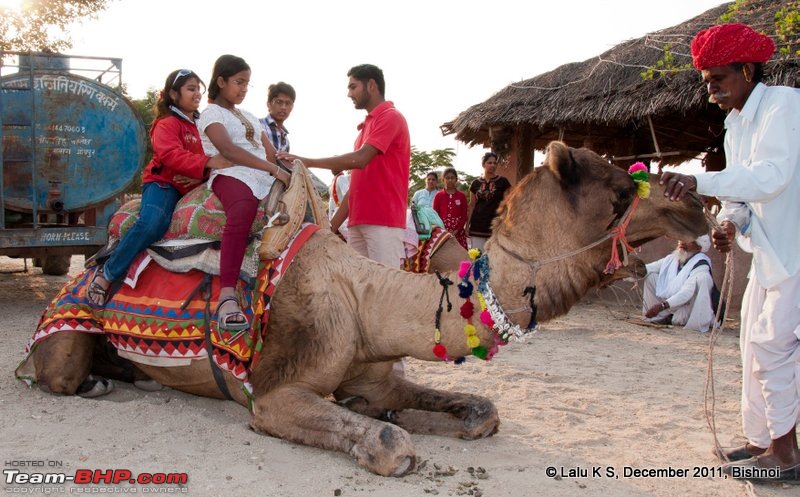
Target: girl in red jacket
{"points": [[178, 165]]}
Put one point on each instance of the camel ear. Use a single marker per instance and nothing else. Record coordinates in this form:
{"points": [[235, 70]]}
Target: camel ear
{"points": [[562, 163]]}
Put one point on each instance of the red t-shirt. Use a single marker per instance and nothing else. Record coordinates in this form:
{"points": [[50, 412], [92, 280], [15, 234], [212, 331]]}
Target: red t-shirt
{"points": [[379, 192]]}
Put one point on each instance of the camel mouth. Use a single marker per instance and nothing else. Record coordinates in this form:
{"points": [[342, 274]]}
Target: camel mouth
{"points": [[638, 243], [686, 229]]}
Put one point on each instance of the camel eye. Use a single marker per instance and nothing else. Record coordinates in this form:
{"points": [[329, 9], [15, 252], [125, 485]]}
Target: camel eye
{"points": [[624, 195]]}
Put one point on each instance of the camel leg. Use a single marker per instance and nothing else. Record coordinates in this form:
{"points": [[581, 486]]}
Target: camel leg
{"points": [[419, 409], [63, 362], [294, 413]]}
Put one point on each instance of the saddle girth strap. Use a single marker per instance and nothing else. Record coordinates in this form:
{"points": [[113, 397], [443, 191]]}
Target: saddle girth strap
{"points": [[205, 286]]}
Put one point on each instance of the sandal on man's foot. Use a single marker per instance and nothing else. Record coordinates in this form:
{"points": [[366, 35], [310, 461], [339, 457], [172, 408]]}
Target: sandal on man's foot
{"points": [[95, 293], [233, 322]]}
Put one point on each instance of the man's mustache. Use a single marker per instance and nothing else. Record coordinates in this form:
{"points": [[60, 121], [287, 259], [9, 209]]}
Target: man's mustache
{"points": [[715, 97]]}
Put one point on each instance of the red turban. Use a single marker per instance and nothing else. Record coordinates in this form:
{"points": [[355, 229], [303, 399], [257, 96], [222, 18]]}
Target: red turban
{"points": [[729, 43]]}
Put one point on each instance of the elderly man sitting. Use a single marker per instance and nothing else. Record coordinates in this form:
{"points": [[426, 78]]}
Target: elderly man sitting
{"points": [[677, 288]]}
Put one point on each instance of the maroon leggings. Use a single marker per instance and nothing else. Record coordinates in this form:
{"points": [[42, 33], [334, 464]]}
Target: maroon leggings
{"points": [[240, 210]]}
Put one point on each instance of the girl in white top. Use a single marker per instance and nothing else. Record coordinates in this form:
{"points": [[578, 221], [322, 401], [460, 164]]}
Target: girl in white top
{"points": [[238, 136]]}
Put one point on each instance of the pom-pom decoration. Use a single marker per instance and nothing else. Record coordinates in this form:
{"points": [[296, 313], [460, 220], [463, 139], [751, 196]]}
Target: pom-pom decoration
{"points": [[486, 318], [636, 167], [465, 289], [641, 177], [467, 309], [463, 269], [643, 189]]}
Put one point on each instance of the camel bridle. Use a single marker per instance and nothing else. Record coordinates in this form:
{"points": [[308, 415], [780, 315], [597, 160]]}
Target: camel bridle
{"points": [[616, 234]]}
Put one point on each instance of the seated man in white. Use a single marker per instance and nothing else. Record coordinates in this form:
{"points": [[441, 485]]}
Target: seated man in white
{"points": [[677, 288]]}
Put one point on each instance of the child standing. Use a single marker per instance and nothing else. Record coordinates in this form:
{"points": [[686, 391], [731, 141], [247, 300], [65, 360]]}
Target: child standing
{"points": [[177, 166], [451, 205], [238, 136]]}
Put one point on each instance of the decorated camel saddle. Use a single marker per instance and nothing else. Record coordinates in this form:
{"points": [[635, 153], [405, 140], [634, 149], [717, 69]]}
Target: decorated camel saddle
{"points": [[165, 317], [425, 234], [193, 238]]}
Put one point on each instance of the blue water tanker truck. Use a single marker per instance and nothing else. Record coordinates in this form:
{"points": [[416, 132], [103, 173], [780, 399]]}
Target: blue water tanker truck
{"points": [[72, 145]]}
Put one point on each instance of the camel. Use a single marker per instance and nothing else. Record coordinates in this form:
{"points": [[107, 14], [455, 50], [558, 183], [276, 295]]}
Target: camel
{"points": [[339, 321]]}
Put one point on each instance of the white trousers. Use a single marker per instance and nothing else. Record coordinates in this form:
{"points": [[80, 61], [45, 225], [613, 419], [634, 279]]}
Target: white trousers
{"points": [[770, 343], [696, 314], [379, 243]]}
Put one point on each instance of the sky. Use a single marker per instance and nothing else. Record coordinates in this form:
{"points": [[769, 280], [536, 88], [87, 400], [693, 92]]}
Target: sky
{"points": [[439, 57]]}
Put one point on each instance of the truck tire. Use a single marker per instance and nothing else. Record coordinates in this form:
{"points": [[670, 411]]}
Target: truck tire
{"points": [[56, 265]]}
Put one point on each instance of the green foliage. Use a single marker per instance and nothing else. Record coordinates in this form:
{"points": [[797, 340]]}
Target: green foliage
{"points": [[40, 25], [665, 65], [787, 22], [146, 109], [733, 10], [436, 160]]}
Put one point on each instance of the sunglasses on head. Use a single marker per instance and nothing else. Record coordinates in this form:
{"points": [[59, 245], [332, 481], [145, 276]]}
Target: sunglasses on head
{"points": [[181, 73]]}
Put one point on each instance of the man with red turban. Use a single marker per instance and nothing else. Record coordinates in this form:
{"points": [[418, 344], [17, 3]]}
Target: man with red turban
{"points": [[760, 192]]}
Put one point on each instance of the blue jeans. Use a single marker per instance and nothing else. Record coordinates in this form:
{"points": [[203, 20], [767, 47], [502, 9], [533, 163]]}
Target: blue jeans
{"points": [[155, 214]]}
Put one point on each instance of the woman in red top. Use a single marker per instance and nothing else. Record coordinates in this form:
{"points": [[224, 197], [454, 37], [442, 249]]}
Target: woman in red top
{"points": [[451, 205], [178, 165]]}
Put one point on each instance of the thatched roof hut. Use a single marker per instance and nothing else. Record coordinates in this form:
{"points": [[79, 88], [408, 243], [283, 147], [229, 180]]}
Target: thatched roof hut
{"points": [[610, 104]]}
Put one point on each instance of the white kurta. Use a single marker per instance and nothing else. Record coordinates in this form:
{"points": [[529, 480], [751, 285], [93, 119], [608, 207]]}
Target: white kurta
{"points": [[687, 291], [257, 180], [760, 189]]}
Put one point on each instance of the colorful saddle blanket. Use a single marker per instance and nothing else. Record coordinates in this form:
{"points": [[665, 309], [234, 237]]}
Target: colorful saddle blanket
{"points": [[420, 262], [162, 320]]}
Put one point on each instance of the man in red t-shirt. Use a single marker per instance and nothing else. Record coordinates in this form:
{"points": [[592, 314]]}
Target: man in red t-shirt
{"points": [[378, 197]]}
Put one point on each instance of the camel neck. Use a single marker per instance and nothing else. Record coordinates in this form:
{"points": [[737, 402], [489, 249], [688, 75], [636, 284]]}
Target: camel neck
{"points": [[558, 284]]}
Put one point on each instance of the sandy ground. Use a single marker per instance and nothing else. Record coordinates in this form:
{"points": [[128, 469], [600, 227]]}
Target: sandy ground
{"points": [[592, 391]]}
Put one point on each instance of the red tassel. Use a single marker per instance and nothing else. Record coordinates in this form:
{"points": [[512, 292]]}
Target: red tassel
{"points": [[467, 310], [439, 351]]}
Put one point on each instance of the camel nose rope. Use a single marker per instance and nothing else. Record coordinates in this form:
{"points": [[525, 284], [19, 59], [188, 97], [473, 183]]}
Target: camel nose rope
{"points": [[618, 237], [709, 395]]}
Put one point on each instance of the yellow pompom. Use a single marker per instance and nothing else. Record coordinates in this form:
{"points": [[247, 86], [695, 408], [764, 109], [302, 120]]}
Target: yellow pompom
{"points": [[470, 330], [474, 254], [643, 189], [473, 341], [482, 301]]}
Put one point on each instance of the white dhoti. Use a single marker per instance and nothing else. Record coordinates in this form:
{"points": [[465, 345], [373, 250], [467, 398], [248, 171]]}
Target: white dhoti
{"points": [[696, 313], [770, 343]]}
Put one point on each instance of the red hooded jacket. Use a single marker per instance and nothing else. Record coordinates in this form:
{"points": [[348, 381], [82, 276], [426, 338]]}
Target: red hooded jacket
{"points": [[176, 150]]}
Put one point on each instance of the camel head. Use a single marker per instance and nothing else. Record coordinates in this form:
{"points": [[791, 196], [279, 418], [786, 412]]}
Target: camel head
{"points": [[577, 197]]}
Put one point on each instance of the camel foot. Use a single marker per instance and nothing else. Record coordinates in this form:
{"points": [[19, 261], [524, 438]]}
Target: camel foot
{"points": [[94, 387], [482, 420], [385, 450]]}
